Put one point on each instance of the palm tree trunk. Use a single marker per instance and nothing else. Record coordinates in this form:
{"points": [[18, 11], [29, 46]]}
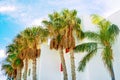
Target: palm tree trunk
{"points": [[34, 69], [26, 68], [72, 65], [15, 78], [65, 77], [112, 73], [18, 74]]}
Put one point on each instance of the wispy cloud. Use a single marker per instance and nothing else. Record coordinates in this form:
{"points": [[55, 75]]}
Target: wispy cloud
{"points": [[4, 9], [2, 53], [37, 21]]}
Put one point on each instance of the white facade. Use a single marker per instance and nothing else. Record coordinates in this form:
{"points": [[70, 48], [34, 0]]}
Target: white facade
{"points": [[48, 65]]}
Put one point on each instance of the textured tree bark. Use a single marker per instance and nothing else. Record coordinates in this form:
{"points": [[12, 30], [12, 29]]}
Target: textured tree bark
{"points": [[18, 74], [34, 69], [65, 77], [26, 69], [72, 64], [15, 78]]}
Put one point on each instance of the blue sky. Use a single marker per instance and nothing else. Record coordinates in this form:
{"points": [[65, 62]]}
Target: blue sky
{"points": [[16, 15]]}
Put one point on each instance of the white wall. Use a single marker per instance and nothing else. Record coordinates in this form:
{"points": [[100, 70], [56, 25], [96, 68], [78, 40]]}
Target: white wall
{"points": [[49, 65]]}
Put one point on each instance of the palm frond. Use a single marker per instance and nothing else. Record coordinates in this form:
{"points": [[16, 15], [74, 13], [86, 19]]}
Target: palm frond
{"points": [[18, 63], [96, 19], [78, 31], [90, 46], [78, 20], [86, 59], [45, 22], [92, 35], [112, 32]]}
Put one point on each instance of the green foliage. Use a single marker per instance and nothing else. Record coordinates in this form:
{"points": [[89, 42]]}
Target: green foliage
{"points": [[112, 33], [107, 56], [96, 19], [8, 69], [86, 59], [90, 46], [92, 35], [105, 37]]}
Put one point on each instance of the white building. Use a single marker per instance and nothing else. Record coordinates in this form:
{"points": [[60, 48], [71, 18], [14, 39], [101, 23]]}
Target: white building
{"points": [[48, 65]]}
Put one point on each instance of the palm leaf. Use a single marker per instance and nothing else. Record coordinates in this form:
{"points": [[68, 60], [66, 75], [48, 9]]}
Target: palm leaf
{"points": [[112, 32], [90, 46], [84, 61], [92, 35], [96, 19]]}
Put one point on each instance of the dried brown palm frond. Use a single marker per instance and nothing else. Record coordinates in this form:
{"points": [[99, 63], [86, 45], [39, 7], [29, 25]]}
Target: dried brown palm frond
{"points": [[22, 55], [38, 53], [52, 44]]}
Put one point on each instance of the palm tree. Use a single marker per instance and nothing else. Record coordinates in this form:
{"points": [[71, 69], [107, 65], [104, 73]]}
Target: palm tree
{"points": [[38, 35], [73, 26], [23, 49], [103, 39], [13, 64], [62, 26], [9, 71], [54, 26], [14, 60], [33, 37]]}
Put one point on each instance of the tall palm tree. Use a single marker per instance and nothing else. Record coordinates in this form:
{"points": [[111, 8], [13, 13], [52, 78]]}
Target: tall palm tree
{"points": [[54, 25], [13, 64], [23, 51], [34, 37], [9, 71], [13, 58], [73, 26], [38, 35], [103, 39], [62, 26]]}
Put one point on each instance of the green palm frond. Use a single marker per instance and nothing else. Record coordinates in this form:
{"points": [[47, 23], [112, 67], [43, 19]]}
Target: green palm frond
{"points": [[112, 32], [104, 25], [78, 20], [18, 63], [46, 22], [74, 12], [8, 69], [11, 57], [5, 66], [92, 35], [86, 59], [107, 56], [80, 34], [96, 19], [90, 46]]}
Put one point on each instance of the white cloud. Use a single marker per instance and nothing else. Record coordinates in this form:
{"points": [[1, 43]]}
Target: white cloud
{"points": [[37, 21], [4, 9], [2, 53]]}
